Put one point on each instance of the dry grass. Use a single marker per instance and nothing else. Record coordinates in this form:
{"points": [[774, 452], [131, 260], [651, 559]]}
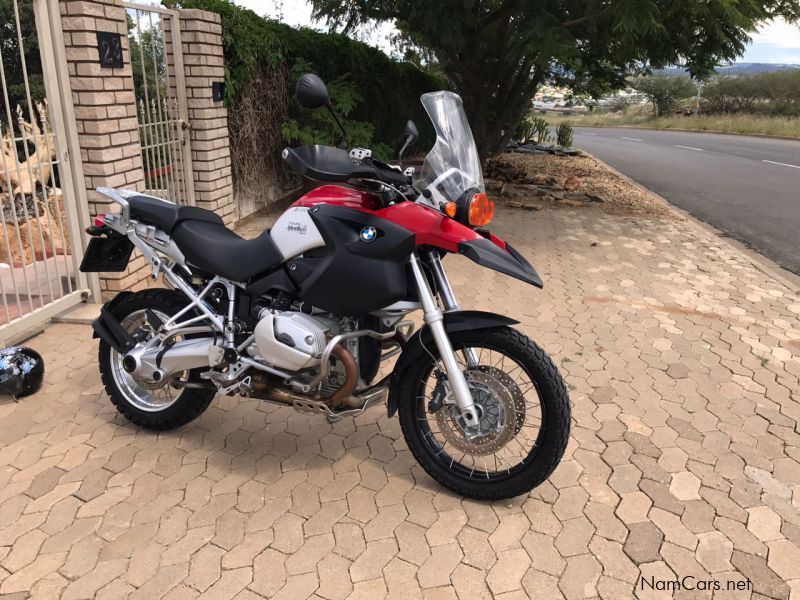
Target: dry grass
{"points": [[742, 124], [254, 123]]}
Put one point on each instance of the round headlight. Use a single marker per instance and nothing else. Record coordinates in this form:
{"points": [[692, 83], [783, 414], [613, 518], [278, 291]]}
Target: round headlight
{"points": [[480, 210]]}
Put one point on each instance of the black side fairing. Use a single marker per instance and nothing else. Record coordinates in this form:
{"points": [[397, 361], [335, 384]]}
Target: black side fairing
{"points": [[510, 262], [352, 275]]}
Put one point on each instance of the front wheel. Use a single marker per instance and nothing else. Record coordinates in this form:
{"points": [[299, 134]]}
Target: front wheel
{"points": [[523, 408]]}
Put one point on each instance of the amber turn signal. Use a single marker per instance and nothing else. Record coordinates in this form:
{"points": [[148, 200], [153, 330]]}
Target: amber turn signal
{"points": [[450, 209], [481, 210]]}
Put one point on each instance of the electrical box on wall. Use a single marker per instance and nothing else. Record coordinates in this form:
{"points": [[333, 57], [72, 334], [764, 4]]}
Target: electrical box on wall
{"points": [[218, 91]]}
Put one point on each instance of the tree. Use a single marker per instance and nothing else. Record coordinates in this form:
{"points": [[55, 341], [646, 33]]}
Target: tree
{"points": [[664, 91], [496, 53], [13, 55]]}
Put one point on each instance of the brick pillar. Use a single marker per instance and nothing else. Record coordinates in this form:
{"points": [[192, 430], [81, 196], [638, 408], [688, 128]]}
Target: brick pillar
{"points": [[201, 44], [105, 112]]}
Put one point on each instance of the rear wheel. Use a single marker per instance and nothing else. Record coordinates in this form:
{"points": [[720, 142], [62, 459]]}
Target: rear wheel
{"points": [[153, 405], [523, 408]]}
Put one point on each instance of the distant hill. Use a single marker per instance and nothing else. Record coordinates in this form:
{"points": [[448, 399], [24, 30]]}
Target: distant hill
{"points": [[737, 69]]}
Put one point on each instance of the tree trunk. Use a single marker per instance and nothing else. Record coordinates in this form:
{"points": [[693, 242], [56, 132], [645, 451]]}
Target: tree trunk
{"points": [[495, 98]]}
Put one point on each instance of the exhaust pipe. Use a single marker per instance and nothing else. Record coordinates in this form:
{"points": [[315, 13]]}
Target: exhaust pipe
{"points": [[342, 396]]}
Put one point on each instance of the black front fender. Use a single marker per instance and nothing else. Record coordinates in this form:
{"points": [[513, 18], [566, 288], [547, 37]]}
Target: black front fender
{"points": [[415, 347]]}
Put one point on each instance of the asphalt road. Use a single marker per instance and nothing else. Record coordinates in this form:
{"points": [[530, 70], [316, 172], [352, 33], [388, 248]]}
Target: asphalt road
{"points": [[747, 187]]}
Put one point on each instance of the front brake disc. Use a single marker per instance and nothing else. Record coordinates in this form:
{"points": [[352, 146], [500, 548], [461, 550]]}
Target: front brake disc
{"points": [[497, 421], [512, 388]]}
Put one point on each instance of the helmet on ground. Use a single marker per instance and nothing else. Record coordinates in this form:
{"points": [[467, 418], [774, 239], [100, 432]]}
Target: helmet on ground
{"points": [[21, 371]]}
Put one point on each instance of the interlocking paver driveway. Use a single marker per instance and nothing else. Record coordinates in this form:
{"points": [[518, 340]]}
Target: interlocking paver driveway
{"points": [[683, 362]]}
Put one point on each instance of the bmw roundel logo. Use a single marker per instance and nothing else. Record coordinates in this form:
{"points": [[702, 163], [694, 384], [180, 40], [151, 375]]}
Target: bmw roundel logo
{"points": [[368, 234]]}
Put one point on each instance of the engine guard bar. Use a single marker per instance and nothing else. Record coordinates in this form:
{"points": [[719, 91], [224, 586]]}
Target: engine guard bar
{"points": [[335, 341]]}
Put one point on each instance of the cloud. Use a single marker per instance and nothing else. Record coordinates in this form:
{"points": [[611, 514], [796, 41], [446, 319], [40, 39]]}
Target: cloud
{"points": [[778, 33]]}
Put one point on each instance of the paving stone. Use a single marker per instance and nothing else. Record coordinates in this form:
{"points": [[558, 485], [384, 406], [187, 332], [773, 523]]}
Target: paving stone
{"points": [[764, 523], [765, 580], [334, 579], [478, 552], [685, 486], [541, 585], [506, 575], [674, 531], [570, 503], [349, 540], [633, 507], [643, 543], [714, 551], [543, 553], [370, 563], [580, 577], [269, 573], [89, 584], [446, 527], [469, 582], [436, 570], [305, 558], [574, 536], [205, 568], [509, 533], [784, 559]]}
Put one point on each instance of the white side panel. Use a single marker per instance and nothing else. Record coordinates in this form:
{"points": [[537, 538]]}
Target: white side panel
{"points": [[294, 233]]}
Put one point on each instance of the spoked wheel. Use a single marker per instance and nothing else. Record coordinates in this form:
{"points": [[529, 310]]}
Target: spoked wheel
{"points": [[154, 405], [523, 411]]}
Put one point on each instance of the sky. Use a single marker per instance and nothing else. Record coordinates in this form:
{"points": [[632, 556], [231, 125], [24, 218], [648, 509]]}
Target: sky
{"points": [[775, 42]]}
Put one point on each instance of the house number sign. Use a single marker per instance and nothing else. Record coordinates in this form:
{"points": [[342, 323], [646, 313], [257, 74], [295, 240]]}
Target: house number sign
{"points": [[109, 46]]}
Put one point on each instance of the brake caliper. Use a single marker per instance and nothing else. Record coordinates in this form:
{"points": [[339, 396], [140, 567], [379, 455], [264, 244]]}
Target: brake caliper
{"points": [[439, 392]]}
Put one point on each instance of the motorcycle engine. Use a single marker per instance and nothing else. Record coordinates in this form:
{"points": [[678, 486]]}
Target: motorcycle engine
{"points": [[291, 340]]}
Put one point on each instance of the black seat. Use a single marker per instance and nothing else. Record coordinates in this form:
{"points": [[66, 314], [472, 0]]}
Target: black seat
{"points": [[166, 215], [213, 248]]}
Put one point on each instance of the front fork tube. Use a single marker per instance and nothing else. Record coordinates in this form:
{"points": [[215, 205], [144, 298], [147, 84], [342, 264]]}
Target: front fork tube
{"points": [[434, 319], [449, 300]]}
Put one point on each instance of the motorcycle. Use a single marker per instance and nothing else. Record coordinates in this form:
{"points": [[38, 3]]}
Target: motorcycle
{"points": [[308, 313]]}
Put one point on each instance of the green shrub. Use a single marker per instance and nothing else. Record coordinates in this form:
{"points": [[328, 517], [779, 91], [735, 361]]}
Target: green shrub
{"points": [[776, 94], [664, 91], [376, 93], [564, 135]]}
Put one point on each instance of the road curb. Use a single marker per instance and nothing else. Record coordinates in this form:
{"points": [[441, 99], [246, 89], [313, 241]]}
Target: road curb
{"points": [[768, 136], [759, 261]]}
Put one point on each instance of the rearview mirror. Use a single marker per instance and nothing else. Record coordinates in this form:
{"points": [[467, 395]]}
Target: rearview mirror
{"points": [[411, 134], [312, 92]]}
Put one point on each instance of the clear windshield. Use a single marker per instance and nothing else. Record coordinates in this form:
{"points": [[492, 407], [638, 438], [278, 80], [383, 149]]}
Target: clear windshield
{"points": [[452, 166]]}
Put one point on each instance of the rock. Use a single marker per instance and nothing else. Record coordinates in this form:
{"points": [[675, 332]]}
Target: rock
{"points": [[572, 184], [575, 196], [594, 198]]}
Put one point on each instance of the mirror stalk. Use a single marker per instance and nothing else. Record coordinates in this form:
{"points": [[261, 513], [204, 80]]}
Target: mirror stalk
{"points": [[343, 143], [404, 147]]}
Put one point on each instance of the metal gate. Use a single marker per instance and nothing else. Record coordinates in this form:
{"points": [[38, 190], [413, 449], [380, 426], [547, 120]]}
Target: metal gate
{"points": [[162, 113], [40, 239]]}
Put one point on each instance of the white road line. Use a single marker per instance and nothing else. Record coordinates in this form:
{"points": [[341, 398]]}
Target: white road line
{"points": [[772, 162], [632, 139], [584, 133], [689, 148]]}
